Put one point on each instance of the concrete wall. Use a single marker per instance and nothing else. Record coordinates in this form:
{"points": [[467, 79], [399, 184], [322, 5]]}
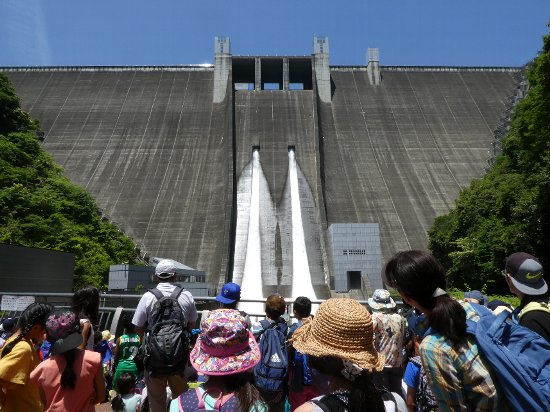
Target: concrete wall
{"points": [[356, 247], [162, 159]]}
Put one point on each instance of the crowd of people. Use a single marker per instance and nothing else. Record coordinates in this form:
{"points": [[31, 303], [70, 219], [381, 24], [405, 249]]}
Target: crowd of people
{"points": [[344, 357]]}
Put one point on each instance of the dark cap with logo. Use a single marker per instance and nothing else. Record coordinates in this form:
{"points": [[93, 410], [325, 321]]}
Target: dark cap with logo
{"points": [[526, 273]]}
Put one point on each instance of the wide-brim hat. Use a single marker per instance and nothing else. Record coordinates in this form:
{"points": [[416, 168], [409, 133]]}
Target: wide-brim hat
{"points": [[225, 346], [341, 328], [381, 299], [63, 331]]}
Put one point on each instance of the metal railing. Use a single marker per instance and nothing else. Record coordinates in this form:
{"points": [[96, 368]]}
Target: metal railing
{"points": [[113, 305]]}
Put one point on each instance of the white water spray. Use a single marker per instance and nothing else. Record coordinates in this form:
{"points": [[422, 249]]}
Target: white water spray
{"points": [[251, 283], [301, 277]]}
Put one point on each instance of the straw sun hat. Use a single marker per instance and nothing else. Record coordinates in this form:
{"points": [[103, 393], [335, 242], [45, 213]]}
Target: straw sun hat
{"points": [[341, 328]]}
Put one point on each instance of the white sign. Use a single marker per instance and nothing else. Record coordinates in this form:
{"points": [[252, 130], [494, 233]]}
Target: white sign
{"points": [[16, 303]]}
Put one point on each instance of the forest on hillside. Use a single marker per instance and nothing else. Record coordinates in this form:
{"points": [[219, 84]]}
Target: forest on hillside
{"points": [[508, 210], [39, 207]]}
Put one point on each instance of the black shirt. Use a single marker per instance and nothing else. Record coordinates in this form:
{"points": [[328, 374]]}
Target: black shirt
{"points": [[536, 320]]}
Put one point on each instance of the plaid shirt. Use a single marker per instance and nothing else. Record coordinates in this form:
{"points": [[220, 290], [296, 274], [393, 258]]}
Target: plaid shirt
{"points": [[458, 376]]}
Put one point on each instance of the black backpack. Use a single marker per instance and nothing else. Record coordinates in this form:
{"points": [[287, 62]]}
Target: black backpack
{"points": [[338, 402], [166, 344], [424, 397]]}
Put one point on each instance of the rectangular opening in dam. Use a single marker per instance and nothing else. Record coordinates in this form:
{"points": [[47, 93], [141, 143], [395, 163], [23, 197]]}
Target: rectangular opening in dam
{"points": [[255, 148], [300, 72], [291, 148], [272, 73], [354, 279], [244, 72]]}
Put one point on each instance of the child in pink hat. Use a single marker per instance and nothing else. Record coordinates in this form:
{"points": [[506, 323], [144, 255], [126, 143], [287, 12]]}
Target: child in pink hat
{"points": [[225, 352]]}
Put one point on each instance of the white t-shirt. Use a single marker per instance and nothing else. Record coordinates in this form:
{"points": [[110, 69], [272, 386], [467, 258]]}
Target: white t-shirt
{"points": [[148, 300]]}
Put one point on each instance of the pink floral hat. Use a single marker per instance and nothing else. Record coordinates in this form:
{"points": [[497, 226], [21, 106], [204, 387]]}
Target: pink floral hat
{"points": [[63, 331], [225, 346]]}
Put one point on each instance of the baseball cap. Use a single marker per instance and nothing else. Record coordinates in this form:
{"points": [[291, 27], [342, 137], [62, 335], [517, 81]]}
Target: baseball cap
{"points": [[166, 268], [526, 273], [8, 324], [230, 293], [477, 295], [63, 331]]}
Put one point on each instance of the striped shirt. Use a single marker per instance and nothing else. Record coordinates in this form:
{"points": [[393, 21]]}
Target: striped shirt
{"points": [[459, 376]]}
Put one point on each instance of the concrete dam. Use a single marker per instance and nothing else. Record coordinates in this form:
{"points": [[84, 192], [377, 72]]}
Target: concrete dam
{"points": [[283, 173]]}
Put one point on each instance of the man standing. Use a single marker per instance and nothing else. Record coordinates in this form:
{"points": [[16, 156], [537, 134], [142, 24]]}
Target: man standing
{"points": [[165, 272], [524, 276]]}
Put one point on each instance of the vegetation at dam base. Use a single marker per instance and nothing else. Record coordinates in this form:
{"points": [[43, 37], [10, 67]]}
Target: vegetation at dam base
{"points": [[39, 207], [508, 210]]}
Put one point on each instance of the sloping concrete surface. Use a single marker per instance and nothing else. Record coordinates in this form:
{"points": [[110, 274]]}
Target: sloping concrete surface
{"points": [[156, 153], [149, 146], [399, 154]]}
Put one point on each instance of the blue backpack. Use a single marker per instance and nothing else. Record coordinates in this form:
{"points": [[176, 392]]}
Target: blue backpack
{"points": [[519, 358], [271, 372], [301, 372]]}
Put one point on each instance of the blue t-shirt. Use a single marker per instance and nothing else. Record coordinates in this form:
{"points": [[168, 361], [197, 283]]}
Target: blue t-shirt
{"points": [[412, 374]]}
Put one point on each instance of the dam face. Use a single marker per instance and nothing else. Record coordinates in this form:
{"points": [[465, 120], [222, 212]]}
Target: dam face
{"points": [[171, 155]]}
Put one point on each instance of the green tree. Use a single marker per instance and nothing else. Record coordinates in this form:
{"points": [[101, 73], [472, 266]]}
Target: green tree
{"points": [[39, 207], [507, 210]]}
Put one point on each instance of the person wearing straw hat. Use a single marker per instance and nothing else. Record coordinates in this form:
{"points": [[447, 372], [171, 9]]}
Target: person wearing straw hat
{"points": [[225, 352], [389, 339], [459, 377], [71, 379], [340, 345]]}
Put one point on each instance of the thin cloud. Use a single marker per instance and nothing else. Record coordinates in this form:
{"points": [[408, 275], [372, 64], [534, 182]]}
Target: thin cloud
{"points": [[24, 33]]}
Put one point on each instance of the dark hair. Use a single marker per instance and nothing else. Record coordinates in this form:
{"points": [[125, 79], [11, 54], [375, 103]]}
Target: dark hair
{"points": [[125, 383], [34, 314], [127, 323], [302, 306], [86, 304], [363, 395], [98, 337], [242, 385], [275, 306], [68, 377], [418, 274]]}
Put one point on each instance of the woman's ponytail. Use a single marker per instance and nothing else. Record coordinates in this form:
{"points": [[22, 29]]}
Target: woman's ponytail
{"points": [[68, 377], [449, 319]]}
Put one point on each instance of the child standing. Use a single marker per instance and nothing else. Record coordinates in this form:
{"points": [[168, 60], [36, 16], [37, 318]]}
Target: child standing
{"points": [[126, 350], [19, 357], [86, 307], [71, 379], [300, 385], [126, 400]]}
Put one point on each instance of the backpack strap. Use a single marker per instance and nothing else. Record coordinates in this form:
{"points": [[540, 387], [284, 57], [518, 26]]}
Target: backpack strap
{"points": [[176, 293], [531, 306], [158, 294], [330, 403], [221, 399]]}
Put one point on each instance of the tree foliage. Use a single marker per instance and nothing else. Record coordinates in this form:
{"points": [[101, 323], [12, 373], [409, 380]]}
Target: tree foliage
{"points": [[39, 207], [508, 209]]}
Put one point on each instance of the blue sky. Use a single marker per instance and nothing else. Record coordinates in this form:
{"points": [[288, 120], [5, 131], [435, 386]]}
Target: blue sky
{"points": [[166, 32]]}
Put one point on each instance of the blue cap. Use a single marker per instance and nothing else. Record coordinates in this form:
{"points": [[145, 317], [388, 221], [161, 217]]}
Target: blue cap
{"points": [[231, 293]]}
